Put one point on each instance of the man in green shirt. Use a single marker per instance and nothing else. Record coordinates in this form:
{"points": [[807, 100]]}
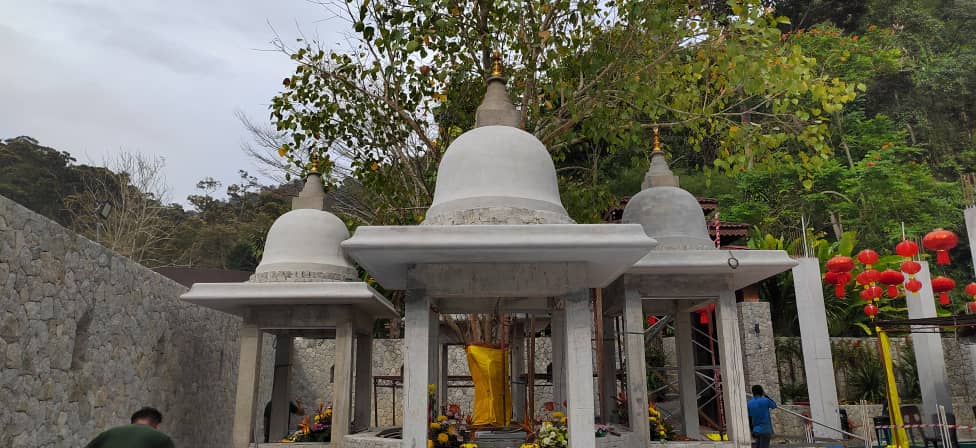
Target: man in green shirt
{"points": [[142, 433]]}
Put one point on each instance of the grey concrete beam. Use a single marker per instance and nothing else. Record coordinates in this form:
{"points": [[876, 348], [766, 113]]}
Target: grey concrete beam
{"points": [[248, 374], [579, 370], [416, 361], [280, 394], [733, 376], [633, 328], [818, 364], [927, 344]]}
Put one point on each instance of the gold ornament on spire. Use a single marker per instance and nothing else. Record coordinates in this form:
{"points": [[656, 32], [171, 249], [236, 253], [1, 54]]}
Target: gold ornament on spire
{"points": [[313, 164], [496, 57], [657, 140]]}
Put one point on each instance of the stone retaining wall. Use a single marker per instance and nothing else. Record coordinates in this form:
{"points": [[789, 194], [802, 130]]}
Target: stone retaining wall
{"points": [[88, 336]]}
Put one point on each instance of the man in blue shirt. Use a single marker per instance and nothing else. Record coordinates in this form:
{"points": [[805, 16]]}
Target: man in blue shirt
{"points": [[759, 407]]}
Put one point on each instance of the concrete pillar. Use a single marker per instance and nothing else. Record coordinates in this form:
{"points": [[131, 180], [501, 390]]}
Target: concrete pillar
{"points": [[929, 355], [633, 328], [434, 359], [687, 375], [558, 345], [416, 361], [733, 377], [280, 394], [442, 377], [818, 363], [970, 214], [517, 370], [248, 375], [608, 374], [364, 381], [342, 387], [579, 370], [759, 347]]}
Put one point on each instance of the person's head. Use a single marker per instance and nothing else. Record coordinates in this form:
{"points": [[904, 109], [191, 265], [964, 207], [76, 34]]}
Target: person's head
{"points": [[757, 391], [147, 416]]}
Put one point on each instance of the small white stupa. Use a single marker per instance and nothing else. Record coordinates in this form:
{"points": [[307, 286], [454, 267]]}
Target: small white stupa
{"points": [[303, 287], [685, 272]]}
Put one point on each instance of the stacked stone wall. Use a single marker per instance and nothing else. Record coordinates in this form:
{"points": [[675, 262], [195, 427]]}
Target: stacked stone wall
{"points": [[88, 336]]}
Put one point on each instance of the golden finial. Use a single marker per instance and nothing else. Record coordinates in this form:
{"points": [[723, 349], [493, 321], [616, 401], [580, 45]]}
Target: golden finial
{"points": [[657, 139], [313, 164], [497, 67]]}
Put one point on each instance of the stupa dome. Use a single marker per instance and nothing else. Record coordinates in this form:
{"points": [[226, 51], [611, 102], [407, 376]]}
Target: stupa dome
{"points": [[303, 244], [496, 173], [669, 214]]}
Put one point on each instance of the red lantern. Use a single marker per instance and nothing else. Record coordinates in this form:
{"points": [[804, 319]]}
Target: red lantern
{"points": [[940, 241], [913, 285], [971, 290], [892, 279], [867, 257], [871, 310], [868, 276], [841, 267], [972, 307], [875, 291], [704, 313], [651, 320], [943, 285], [830, 278], [907, 249], [911, 268]]}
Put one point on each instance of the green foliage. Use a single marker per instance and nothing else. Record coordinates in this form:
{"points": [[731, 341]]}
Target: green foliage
{"points": [[793, 392], [590, 79], [865, 376]]}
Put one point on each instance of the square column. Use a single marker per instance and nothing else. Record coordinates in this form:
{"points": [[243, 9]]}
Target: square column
{"points": [[443, 375], [579, 370], [342, 389], [557, 325], [280, 394], [970, 215], [608, 371], [633, 328], [927, 345], [416, 366], [364, 381], [687, 374], [818, 361], [517, 370], [434, 374], [733, 375], [248, 374]]}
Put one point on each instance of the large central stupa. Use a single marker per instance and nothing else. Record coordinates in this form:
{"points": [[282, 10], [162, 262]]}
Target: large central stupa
{"points": [[496, 239], [496, 173]]}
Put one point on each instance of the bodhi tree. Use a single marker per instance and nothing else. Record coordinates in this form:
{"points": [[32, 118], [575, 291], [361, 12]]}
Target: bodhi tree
{"points": [[591, 79]]}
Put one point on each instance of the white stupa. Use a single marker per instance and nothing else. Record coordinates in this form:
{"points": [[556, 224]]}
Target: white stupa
{"points": [[496, 173]]}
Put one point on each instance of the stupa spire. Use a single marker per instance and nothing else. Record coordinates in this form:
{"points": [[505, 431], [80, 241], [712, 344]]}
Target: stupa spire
{"points": [[312, 195], [659, 173], [496, 108]]}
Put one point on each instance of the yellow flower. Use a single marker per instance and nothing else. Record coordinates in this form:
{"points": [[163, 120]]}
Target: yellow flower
{"points": [[443, 438], [435, 426], [430, 443], [563, 421], [469, 445], [558, 415], [442, 418], [375, 166], [431, 388], [282, 151]]}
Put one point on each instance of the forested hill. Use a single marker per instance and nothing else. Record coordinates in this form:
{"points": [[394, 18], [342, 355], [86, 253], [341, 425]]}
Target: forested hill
{"points": [[225, 232]]}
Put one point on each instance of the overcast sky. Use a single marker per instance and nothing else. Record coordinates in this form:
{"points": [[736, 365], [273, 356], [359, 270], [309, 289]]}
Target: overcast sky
{"points": [[95, 77]]}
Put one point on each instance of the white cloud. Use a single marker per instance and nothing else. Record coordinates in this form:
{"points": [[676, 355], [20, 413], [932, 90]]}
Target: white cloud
{"points": [[159, 77]]}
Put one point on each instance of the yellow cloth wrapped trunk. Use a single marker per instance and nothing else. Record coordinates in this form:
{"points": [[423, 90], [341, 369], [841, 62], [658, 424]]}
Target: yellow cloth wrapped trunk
{"points": [[492, 393]]}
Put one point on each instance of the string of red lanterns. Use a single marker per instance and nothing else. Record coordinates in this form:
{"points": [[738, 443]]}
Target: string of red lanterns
{"points": [[940, 241]]}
